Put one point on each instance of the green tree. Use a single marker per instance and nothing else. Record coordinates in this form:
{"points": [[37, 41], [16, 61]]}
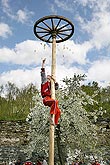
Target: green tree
{"points": [[16, 103], [75, 130], [10, 92]]}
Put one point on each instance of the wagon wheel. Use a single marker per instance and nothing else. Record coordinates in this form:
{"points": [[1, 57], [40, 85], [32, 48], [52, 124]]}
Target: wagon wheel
{"points": [[53, 26]]}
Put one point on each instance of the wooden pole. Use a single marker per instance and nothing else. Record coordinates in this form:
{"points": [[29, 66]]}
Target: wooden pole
{"points": [[53, 73]]}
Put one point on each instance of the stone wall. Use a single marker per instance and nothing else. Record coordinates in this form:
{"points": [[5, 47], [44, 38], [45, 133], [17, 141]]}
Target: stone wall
{"points": [[13, 140]]}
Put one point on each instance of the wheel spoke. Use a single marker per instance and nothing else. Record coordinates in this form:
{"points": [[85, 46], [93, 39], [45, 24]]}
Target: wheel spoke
{"points": [[49, 38], [63, 30], [42, 28], [52, 23], [46, 25], [45, 35], [42, 32], [64, 34], [58, 24], [59, 36], [63, 27]]}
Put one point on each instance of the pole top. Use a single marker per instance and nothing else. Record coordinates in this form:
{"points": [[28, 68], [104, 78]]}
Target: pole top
{"points": [[52, 26]]}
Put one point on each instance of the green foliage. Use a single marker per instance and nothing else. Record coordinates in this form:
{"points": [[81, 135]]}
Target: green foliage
{"points": [[39, 128], [83, 108], [75, 118], [102, 97], [16, 103], [76, 130]]}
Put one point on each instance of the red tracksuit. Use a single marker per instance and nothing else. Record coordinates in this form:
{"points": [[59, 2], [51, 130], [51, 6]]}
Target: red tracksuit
{"points": [[47, 100]]}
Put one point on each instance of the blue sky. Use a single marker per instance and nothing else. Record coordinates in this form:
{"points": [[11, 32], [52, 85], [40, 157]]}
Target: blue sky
{"points": [[86, 52]]}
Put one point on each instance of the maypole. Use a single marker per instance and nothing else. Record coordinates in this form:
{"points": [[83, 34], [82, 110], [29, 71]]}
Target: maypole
{"points": [[53, 29]]}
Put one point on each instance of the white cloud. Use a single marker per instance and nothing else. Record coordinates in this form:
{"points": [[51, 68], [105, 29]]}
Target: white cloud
{"points": [[21, 77], [6, 55], [96, 22], [65, 5], [5, 30], [53, 9], [98, 26], [5, 3], [29, 52], [62, 72], [22, 15], [100, 72], [69, 52], [7, 9]]}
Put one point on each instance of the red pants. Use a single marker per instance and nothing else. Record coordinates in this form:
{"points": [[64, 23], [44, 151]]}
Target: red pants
{"points": [[53, 104]]}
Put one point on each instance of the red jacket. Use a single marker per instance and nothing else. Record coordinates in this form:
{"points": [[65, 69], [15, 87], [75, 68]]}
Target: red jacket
{"points": [[46, 86], [45, 89]]}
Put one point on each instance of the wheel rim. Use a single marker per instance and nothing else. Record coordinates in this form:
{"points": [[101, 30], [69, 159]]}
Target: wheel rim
{"points": [[53, 26]]}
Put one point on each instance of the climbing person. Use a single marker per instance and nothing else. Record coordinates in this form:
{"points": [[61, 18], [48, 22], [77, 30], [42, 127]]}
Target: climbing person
{"points": [[46, 95]]}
